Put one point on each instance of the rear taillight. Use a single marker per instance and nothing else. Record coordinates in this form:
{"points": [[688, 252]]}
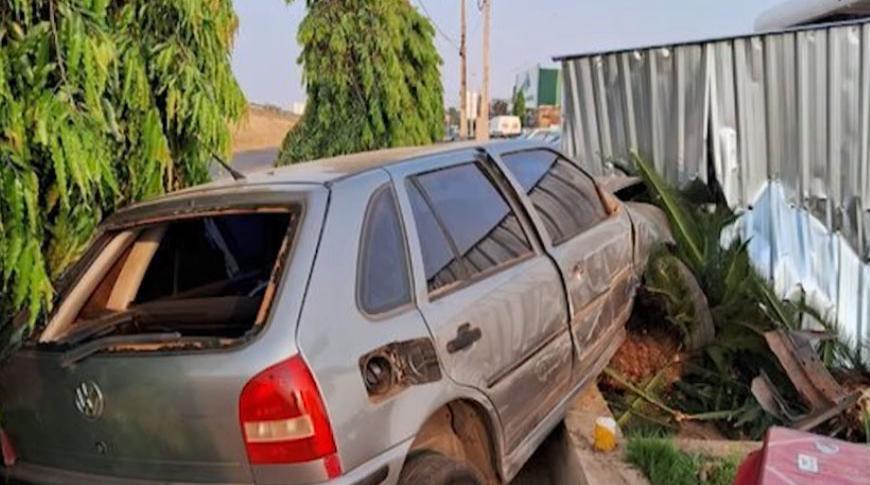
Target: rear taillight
{"points": [[283, 418], [9, 455]]}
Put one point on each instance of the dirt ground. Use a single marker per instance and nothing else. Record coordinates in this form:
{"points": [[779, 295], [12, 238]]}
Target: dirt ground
{"points": [[264, 127]]}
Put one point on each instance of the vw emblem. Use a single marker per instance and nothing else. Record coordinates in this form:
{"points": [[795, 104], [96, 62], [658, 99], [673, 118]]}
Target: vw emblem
{"points": [[89, 400]]}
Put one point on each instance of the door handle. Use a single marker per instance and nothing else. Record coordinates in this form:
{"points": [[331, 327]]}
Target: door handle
{"points": [[466, 335]]}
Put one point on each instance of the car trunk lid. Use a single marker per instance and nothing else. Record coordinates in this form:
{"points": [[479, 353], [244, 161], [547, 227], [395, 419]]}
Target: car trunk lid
{"points": [[150, 417]]}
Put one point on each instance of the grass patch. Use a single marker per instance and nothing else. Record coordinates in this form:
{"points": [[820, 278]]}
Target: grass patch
{"points": [[663, 464]]}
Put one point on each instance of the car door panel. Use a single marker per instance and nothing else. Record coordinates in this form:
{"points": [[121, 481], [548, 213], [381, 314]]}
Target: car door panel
{"points": [[587, 234], [591, 264], [530, 393], [509, 321]]}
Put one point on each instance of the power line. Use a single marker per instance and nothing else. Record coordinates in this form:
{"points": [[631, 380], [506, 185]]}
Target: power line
{"points": [[449, 39]]}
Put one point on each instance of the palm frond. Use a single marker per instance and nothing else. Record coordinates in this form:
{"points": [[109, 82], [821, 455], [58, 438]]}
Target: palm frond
{"points": [[684, 226]]}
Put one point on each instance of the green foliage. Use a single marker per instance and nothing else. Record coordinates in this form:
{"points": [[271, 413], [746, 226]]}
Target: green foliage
{"points": [[101, 103], [519, 108], [743, 306], [499, 107], [685, 228], [663, 464], [669, 281], [716, 381], [372, 78]]}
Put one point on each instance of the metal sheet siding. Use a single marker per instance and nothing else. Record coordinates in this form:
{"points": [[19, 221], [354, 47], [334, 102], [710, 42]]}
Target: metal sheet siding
{"points": [[784, 118]]}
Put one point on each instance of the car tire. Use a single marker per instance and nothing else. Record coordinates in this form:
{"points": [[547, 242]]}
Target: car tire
{"points": [[434, 468]]}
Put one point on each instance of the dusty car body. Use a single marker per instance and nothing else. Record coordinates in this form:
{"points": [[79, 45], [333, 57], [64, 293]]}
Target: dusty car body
{"points": [[341, 320]]}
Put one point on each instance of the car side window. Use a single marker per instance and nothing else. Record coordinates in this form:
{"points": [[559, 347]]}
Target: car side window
{"points": [[384, 281], [563, 196], [440, 263], [464, 224]]}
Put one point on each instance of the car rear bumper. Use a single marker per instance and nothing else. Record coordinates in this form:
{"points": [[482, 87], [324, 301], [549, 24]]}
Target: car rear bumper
{"points": [[28, 473], [382, 469]]}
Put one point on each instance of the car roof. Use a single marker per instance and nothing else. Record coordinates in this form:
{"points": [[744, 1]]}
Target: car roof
{"points": [[327, 171], [330, 170]]}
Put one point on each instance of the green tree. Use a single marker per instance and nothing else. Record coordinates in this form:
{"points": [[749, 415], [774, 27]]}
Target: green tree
{"points": [[101, 103], [520, 105], [372, 79], [499, 107]]}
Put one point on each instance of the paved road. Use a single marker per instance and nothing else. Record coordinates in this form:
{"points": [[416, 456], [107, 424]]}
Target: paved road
{"points": [[245, 162], [255, 160]]}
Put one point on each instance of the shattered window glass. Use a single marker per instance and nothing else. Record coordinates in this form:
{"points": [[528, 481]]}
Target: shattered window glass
{"points": [[194, 277], [227, 255]]}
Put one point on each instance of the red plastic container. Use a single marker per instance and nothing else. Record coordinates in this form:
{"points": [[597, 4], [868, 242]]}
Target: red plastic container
{"points": [[796, 457]]}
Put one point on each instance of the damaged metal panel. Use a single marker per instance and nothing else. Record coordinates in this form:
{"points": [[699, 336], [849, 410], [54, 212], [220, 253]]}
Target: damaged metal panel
{"points": [[844, 140], [812, 86], [611, 79], [585, 137], [692, 92], [751, 114], [640, 105], [644, 101], [780, 73], [785, 118], [396, 366], [602, 109], [723, 119], [664, 115], [820, 392]]}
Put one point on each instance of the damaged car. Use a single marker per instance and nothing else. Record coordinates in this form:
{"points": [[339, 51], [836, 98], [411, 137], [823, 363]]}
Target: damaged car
{"points": [[401, 316]]}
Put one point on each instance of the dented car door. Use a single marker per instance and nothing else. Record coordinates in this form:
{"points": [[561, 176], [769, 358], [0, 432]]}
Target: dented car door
{"points": [[490, 295], [588, 235]]}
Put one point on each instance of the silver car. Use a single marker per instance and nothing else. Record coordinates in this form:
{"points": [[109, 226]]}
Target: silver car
{"points": [[415, 315]]}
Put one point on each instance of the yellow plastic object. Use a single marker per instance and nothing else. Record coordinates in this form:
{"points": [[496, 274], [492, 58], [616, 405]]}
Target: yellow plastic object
{"points": [[605, 434]]}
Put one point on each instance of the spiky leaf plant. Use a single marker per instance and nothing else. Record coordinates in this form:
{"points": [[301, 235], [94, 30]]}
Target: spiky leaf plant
{"points": [[669, 280], [743, 306]]}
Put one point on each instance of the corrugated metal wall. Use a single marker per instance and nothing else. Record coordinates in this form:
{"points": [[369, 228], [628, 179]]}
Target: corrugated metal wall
{"points": [[784, 121]]}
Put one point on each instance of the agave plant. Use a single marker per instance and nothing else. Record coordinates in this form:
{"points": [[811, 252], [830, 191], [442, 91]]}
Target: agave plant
{"points": [[742, 304], [733, 287], [671, 283]]}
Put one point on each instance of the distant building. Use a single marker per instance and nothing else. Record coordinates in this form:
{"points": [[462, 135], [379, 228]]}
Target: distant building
{"points": [[472, 104], [541, 86], [795, 13]]}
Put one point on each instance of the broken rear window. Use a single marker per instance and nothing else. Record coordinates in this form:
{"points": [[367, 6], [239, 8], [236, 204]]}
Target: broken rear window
{"points": [[201, 277]]}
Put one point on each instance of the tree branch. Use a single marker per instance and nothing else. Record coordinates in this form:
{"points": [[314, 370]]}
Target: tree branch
{"points": [[56, 41]]}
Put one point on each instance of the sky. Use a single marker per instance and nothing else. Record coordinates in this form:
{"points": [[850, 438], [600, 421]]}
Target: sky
{"points": [[525, 33]]}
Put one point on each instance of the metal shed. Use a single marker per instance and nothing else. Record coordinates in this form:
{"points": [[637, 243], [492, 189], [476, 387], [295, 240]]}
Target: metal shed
{"points": [[781, 119]]}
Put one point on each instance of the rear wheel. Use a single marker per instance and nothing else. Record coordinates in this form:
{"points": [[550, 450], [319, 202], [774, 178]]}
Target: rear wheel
{"points": [[434, 468]]}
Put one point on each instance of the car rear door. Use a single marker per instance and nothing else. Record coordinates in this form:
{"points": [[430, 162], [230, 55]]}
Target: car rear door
{"points": [[588, 234], [490, 296]]}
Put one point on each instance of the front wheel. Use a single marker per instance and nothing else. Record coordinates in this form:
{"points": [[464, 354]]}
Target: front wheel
{"points": [[429, 467]]}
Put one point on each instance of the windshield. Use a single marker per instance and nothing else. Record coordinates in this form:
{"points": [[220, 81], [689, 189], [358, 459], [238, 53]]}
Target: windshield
{"points": [[197, 277]]}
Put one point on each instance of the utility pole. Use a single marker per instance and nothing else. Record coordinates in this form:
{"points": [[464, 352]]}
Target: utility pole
{"points": [[463, 79], [483, 120]]}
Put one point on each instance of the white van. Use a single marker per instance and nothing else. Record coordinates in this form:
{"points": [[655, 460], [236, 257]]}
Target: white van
{"points": [[505, 126]]}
